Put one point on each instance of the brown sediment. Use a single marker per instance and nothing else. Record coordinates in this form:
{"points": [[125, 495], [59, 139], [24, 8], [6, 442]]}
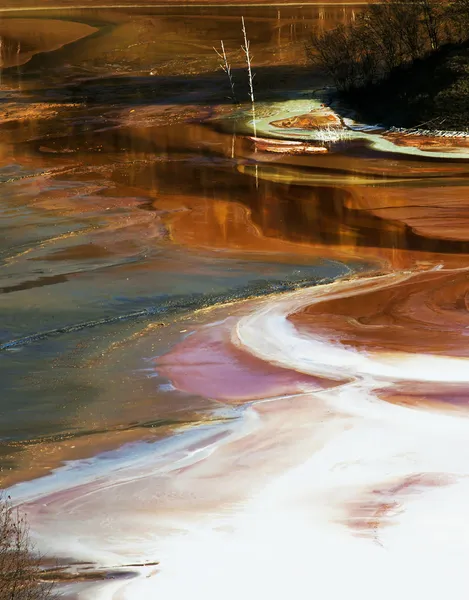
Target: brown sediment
{"points": [[30, 111], [227, 226], [429, 143], [398, 225], [287, 146], [313, 120], [308, 222], [427, 314], [434, 211], [450, 398], [377, 507]]}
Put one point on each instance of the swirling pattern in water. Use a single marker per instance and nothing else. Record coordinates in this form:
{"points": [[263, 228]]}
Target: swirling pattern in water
{"points": [[321, 475]]}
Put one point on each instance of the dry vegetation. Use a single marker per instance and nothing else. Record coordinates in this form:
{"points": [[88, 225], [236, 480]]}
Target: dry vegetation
{"points": [[402, 64], [386, 36], [20, 571]]}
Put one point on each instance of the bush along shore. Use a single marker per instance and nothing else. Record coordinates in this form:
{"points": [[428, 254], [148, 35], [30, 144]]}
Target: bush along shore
{"points": [[403, 65]]}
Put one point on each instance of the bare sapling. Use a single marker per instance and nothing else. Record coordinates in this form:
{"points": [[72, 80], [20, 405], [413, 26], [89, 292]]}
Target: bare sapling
{"points": [[226, 67], [20, 570], [251, 76]]}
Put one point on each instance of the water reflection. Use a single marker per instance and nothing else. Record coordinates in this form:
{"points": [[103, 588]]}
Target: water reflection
{"points": [[127, 187]]}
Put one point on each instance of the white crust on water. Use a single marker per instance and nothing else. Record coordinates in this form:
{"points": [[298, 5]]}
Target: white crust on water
{"points": [[295, 534], [350, 132], [281, 344]]}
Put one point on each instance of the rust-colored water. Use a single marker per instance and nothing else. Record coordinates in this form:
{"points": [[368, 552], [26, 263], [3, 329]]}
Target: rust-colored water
{"points": [[153, 408]]}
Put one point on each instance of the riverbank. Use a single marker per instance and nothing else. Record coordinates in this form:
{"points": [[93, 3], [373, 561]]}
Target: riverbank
{"points": [[429, 94]]}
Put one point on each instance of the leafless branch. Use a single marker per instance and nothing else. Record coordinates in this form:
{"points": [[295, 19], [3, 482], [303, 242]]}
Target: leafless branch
{"points": [[20, 570], [226, 67]]}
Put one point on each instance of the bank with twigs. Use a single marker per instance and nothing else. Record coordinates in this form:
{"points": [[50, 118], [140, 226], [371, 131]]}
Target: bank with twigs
{"points": [[401, 64]]}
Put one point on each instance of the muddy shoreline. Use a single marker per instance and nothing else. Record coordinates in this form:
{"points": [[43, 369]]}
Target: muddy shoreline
{"points": [[169, 307]]}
